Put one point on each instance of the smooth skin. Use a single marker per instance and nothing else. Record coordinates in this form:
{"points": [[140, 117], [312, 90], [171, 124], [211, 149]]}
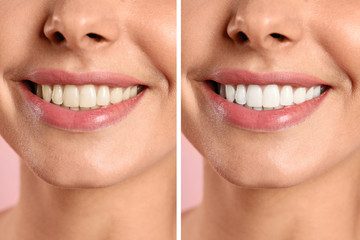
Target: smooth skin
{"points": [[296, 183], [116, 182]]}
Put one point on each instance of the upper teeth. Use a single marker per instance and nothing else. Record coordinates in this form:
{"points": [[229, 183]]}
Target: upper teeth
{"points": [[86, 96], [268, 97]]}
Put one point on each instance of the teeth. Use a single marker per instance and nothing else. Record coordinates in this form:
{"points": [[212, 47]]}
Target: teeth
{"points": [[310, 93], [254, 96], [271, 96], [240, 95], [287, 97], [300, 95], [85, 97], [46, 92], [116, 95], [103, 96], [57, 93], [317, 91], [230, 93], [126, 94], [71, 96], [268, 97]]}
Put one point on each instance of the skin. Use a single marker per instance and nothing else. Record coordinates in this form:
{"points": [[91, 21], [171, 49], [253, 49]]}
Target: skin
{"points": [[71, 179], [270, 182]]}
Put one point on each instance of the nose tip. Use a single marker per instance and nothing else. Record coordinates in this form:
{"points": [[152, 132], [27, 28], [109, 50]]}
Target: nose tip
{"points": [[265, 28], [80, 26]]}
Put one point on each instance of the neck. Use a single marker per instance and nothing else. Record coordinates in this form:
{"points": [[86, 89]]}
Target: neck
{"points": [[139, 208], [307, 211]]}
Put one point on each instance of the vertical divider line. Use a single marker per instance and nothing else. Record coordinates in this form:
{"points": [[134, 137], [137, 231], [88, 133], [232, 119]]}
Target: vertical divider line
{"points": [[178, 119]]}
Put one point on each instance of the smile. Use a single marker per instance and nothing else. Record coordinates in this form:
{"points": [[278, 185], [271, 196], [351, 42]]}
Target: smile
{"points": [[80, 101], [265, 102]]}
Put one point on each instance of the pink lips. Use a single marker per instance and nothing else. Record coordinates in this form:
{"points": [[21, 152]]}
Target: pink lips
{"points": [[79, 120], [272, 120]]}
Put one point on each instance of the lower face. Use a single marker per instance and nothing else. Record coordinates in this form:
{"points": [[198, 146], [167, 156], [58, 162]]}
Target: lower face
{"points": [[89, 118], [273, 118]]}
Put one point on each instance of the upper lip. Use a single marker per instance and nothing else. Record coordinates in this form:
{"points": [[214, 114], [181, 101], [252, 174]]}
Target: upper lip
{"points": [[240, 76], [61, 77]]}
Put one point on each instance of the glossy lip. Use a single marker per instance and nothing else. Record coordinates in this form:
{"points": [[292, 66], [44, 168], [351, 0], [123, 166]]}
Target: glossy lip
{"points": [[56, 76], [88, 120], [270, 120], [238, 76]]}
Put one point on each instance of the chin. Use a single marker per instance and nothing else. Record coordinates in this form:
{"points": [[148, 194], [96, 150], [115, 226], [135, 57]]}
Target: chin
{"points": [[85, 172], [256, 169]]}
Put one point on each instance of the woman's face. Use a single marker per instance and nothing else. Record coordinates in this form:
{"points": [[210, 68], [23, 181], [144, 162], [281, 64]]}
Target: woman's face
{"points": [[256, 48], [106, 73]]}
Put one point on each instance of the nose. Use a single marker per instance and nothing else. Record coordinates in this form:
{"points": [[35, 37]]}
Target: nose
{"points": [[83, 25], [264, 24]]}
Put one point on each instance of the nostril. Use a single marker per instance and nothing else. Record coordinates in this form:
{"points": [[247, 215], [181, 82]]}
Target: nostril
{"points": [[278, 37], [95, 36], [242, 37], [58, 37]]}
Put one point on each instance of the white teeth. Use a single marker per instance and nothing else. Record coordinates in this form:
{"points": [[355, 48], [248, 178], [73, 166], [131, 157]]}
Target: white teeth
{"points": [[71, 96], [240, 95], [300, 95], [46, 92], [116, 95], [268, 97], [271, 97], [103, 96], [317, 91], [230, 93], [57, 95], [287, 97], [254, 96], [87, 96], [310, 94], [84, 97]]}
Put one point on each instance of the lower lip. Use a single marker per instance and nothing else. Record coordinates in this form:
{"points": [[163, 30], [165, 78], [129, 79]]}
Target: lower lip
{"points": [[87, 120], [268, 120]]}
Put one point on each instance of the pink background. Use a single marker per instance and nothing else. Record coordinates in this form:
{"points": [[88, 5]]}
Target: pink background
{"points": [[191, 175], [9, 176]]}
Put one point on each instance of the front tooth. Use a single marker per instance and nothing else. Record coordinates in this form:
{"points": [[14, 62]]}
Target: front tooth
{"points": [[240, 95], [271, 97], [87, 96], [287, 97], [116, 95], [230, 93], [222, 90], [310, 93], [317, 91], [103, 96], [46, 92], [71, 96], [254, 96], [133, 91], [300, 95], [126, 94], [57, 95], [258, 108]]}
